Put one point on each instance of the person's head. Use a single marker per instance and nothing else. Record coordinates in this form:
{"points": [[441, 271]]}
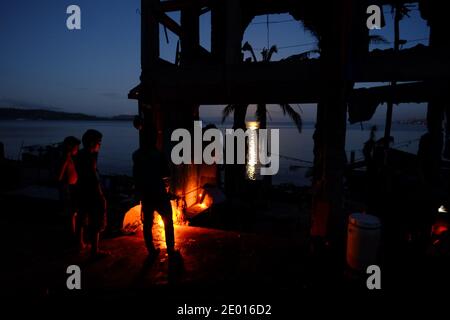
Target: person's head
{"points": [[71, 145], [92, 140]]}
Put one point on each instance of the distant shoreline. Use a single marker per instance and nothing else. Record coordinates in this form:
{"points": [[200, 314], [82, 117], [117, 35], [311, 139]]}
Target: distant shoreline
{"points": [[32, 119], [18, 114]]}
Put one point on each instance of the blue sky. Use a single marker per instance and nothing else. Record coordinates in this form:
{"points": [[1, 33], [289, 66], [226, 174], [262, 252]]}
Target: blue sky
{"points": [[91, 70]]}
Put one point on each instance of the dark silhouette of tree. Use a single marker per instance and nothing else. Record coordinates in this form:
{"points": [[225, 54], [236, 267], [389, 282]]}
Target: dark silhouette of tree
{"points": [[261, 109]]}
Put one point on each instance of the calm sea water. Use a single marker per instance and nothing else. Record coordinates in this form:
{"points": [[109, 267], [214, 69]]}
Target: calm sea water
{"points": [[120, 139]]}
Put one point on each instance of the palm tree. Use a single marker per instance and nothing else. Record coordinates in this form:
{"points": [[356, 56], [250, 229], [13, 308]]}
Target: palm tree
{"points": [[240, 110], [261, 109]]}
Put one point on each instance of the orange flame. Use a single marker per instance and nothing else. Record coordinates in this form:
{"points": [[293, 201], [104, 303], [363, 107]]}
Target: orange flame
{"points": [[133, 221]]}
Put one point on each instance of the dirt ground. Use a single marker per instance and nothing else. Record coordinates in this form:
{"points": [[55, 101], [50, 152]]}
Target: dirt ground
{"points": [[215, 265]]}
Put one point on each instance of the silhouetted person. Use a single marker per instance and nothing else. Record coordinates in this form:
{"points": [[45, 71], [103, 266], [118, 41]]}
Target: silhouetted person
{"points": [[68, 178], [151, 173], [369, 152], [369, 146], [92, 201]]}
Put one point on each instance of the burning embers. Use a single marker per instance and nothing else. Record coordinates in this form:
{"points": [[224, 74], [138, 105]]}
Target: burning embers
{"points": [[132, 221], [133, 218], [441, 225]]}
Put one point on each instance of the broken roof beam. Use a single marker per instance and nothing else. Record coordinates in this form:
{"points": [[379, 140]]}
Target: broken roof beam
{"points": [[416, 92], [169, 23], [224, 94], [214, 84], [363, 102], [270, 83], [261, 7], [285, 92], [414, 64], [266, 6]]}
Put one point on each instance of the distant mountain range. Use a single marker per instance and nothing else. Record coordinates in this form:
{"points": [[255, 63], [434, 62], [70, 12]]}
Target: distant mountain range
{"points": [[41, 114], [419, 122]]}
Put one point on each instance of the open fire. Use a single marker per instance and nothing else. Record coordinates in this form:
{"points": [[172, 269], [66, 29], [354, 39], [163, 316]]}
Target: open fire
{"points": [[132, 221]]}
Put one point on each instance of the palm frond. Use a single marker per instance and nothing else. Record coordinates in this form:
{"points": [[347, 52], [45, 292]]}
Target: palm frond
{"points": [[404, 10], [302, 56], [270, 116], [229, 109], [273, 49], [377, 39], [249, 48], [260, 112], [264, 54], [294, 115]]}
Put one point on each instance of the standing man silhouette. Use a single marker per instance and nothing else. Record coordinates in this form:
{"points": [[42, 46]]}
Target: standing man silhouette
{"points": [[151, 176], [92, 200]]}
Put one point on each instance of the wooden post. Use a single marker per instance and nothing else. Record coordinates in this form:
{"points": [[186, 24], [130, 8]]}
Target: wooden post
{"points": [[234, 174], [149, 58], [439, 28], [190, 38], [149, 34], [390, 105], [218, 31], [233, 35], [328, 218]]}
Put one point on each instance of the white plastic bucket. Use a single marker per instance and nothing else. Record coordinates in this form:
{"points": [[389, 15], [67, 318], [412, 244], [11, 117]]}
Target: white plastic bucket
{"points": [[363, 240]]}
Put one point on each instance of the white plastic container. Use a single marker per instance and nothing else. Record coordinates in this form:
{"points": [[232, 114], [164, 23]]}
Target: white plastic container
{"points": [[363, 240]]}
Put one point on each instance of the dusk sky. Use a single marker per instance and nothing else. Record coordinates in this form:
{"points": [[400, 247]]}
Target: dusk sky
{"points": [[45, 65]]}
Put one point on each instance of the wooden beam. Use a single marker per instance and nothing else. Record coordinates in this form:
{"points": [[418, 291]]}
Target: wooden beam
{"points": [[417, 92], [177, 5], [205, 10], [233, 32], [415, 64], [149, 34], [214, 84], [190, 40], [168, 22]]}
